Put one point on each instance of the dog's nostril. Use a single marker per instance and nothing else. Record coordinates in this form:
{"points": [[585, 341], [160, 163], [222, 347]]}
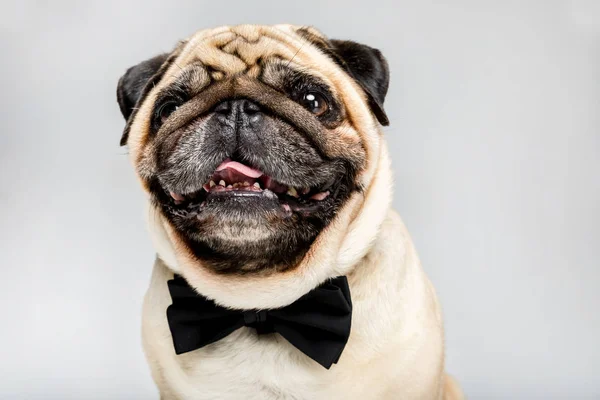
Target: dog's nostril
{"points": [[223, 108], [250, 108], [238, 109]]}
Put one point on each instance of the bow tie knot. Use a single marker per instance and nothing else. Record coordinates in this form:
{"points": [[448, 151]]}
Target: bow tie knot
{"points": [[258, 320], [317, 324]]}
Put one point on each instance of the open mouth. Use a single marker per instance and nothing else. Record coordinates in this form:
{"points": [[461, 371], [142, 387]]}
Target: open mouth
{"points": [[237, 180]]}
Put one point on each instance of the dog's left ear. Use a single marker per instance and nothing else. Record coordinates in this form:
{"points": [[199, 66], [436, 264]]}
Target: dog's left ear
{"points": [[369, 68], [135, 84]]}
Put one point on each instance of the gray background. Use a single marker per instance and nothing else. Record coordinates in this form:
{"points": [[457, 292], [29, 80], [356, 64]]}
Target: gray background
{"points": [[495, 140]]}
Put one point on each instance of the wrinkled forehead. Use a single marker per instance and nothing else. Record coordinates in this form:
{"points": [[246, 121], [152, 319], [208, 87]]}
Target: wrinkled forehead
{"points": [[234, 50], [247, 49]]}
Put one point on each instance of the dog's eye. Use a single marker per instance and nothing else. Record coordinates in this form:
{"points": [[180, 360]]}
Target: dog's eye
{"points": [[165, 110], [315, 103]]}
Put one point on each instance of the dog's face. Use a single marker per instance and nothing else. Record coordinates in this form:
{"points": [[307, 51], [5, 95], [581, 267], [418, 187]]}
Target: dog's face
{"points": [[251, 139]]}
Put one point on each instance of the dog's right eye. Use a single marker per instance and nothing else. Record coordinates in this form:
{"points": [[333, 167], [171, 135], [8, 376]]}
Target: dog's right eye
{"points": [[165, 110]]}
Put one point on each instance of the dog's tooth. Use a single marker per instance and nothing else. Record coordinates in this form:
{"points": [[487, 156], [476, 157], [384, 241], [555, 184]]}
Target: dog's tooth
{"points": [[177, 196], [320, 196], [222, 182], [246, 183], [212, 184], [236, 185], [292, 192], [256, 185], [269, 194], [305, 191], [229, 187]]}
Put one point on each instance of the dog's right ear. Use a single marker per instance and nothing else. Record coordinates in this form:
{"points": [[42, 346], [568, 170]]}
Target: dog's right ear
{"points": [[131, 85], [135, 84]]}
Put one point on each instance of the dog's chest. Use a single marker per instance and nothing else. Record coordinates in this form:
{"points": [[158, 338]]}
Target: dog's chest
{"points": [[250, 366]]}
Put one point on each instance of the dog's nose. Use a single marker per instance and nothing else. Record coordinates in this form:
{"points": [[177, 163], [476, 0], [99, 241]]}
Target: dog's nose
{"points": [[241, 111]]}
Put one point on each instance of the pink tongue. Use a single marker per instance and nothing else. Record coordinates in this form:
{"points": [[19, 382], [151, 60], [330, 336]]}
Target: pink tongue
{"points": [[239, 167]]}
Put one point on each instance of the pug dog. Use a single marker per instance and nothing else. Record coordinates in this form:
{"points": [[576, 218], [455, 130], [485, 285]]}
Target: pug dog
{"points": [[281, 270]]}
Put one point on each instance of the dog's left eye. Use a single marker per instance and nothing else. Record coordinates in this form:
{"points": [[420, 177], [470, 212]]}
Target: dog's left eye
{"points": [[315, 103], [165, 110]]}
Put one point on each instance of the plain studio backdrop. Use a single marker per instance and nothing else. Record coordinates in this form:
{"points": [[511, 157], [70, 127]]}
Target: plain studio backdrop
{"points": [[495, 141]]}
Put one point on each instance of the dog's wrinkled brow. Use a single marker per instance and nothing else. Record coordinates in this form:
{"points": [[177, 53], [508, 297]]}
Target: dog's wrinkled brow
{"points": [[189, 82]]}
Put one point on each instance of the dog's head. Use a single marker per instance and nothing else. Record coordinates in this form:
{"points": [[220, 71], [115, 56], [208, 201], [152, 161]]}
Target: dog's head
{"points": [[258, 147]]}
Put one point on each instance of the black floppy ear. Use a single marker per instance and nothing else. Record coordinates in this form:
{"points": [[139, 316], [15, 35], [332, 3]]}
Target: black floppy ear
{"points": [[131, 84], [369, 68], [134, 85]]}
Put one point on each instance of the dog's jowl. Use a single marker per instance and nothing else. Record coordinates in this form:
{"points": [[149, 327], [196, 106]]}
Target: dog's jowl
{"points": [[281, 270]]}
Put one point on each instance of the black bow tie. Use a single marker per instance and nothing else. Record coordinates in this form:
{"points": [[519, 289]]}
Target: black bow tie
{"points": [[318, 323]]}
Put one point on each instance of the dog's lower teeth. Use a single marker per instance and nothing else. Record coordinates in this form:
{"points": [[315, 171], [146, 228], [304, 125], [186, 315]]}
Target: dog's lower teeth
{"points": [[269, 194], [303, 196]]}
